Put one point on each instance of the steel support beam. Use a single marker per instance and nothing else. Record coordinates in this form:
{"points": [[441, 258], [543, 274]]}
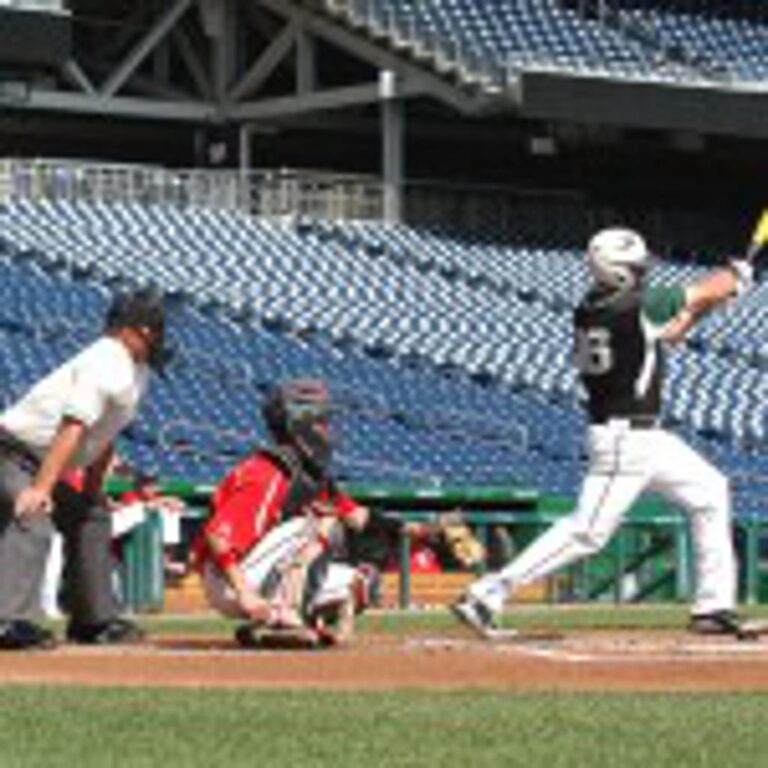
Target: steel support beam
{"points": [[393, 147], [144, 47], [249, 198], [331, 98], [74, 73], [306, 70], [192, 62], [378, 57], [265, 65], [122, 106], [244, 149], [223, 40], [144, 85]]}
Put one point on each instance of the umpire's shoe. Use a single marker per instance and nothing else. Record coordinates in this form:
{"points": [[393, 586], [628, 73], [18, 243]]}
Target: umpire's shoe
{"points": [[113, 632], [475, 615], [20, 635]]}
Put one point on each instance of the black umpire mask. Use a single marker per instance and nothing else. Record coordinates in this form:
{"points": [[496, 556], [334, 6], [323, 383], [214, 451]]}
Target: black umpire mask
{"points": [[142, 309]]}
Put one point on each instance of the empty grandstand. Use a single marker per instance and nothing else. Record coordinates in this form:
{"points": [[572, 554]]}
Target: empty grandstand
{"points": [[439, 310], [447, 366]]}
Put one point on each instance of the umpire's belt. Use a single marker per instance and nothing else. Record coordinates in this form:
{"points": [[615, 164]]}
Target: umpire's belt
{"points": [[13, 448], [633, 422]]}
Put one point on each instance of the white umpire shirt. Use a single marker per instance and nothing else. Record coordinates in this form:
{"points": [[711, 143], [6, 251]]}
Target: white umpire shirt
{"points": [[101, 387]]}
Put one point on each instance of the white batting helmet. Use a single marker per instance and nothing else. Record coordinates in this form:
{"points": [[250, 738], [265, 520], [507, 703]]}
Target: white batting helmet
{"points": [[617, 257]]}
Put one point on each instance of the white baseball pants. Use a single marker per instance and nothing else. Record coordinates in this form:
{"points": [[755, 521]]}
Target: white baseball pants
{"points": [[624, 462], [278, 546]]}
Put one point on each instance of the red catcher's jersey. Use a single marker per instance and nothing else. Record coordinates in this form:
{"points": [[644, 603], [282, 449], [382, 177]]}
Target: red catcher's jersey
{"points": [[248, 503]]}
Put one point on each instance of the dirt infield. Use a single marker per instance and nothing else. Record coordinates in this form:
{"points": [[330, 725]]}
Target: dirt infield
{"points": [[595, 660]]}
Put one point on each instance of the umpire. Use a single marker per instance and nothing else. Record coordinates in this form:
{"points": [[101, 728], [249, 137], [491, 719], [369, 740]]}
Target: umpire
{"points": [[70, 420]]}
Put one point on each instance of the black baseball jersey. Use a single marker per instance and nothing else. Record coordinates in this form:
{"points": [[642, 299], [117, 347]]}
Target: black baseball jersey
{"points": [[618, 355]]}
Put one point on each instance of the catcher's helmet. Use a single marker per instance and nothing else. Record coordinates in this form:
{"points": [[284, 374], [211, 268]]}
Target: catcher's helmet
{"points": [[296, 412], [618, 258], [142, 308]]}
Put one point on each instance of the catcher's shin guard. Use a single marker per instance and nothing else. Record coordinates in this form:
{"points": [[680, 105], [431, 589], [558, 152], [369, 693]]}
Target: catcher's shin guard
{"points": [[316, 573]]}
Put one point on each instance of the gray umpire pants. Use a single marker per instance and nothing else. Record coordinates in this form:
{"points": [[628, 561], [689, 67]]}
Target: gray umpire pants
{"points": [[24, 544]]}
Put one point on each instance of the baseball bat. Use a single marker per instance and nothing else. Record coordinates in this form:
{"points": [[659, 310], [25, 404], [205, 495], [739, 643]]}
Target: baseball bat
{"points": [[759, 237]]}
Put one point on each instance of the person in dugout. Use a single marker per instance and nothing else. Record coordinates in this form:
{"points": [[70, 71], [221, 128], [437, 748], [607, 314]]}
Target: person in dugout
{"points": [[266, 553]]}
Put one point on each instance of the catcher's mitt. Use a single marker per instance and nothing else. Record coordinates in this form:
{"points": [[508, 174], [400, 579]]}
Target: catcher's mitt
{"points": [[460, 539]]}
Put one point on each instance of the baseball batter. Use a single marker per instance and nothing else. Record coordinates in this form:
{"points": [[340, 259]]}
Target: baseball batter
{"points": [[266, 552], [620, 327]]}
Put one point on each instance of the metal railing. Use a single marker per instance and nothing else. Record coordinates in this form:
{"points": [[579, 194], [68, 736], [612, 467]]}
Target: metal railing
{"points": [[318, 195], [271, 193], [294, 195], [83, 181]]}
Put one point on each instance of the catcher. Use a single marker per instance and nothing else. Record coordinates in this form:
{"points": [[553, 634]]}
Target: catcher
{"points": [[266, 552]]}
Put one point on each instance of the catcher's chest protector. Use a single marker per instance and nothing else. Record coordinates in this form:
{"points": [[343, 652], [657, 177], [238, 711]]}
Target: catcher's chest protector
{"points": [[303, 487]]}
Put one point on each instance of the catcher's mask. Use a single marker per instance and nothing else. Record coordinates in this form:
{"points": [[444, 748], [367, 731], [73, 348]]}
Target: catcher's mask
{"points": [[296, 412], [142, 309]]}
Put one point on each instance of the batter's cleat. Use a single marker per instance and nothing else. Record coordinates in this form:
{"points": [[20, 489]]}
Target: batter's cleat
{"points": [[475, 615], [20, 635], [719, 623], [114, 632]]}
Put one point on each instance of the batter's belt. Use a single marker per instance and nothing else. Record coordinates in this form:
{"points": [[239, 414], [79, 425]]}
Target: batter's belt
{"points": [[633, 422]]}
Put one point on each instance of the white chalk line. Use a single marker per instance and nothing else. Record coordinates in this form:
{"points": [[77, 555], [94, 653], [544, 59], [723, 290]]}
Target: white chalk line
{"points": [[559, 651], [688, 654], [555, 649]]}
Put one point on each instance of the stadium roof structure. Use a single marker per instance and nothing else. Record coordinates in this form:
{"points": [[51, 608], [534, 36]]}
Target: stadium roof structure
{"points": [[214, 59], [205, 60], [202, 60]]}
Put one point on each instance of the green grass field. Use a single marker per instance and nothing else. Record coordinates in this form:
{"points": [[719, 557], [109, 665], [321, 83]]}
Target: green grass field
{"points": [[561, 617], [50, 727], [82, 727]]}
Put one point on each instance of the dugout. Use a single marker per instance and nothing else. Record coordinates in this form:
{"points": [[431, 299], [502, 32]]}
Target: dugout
{"points": [[649, 558]]}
